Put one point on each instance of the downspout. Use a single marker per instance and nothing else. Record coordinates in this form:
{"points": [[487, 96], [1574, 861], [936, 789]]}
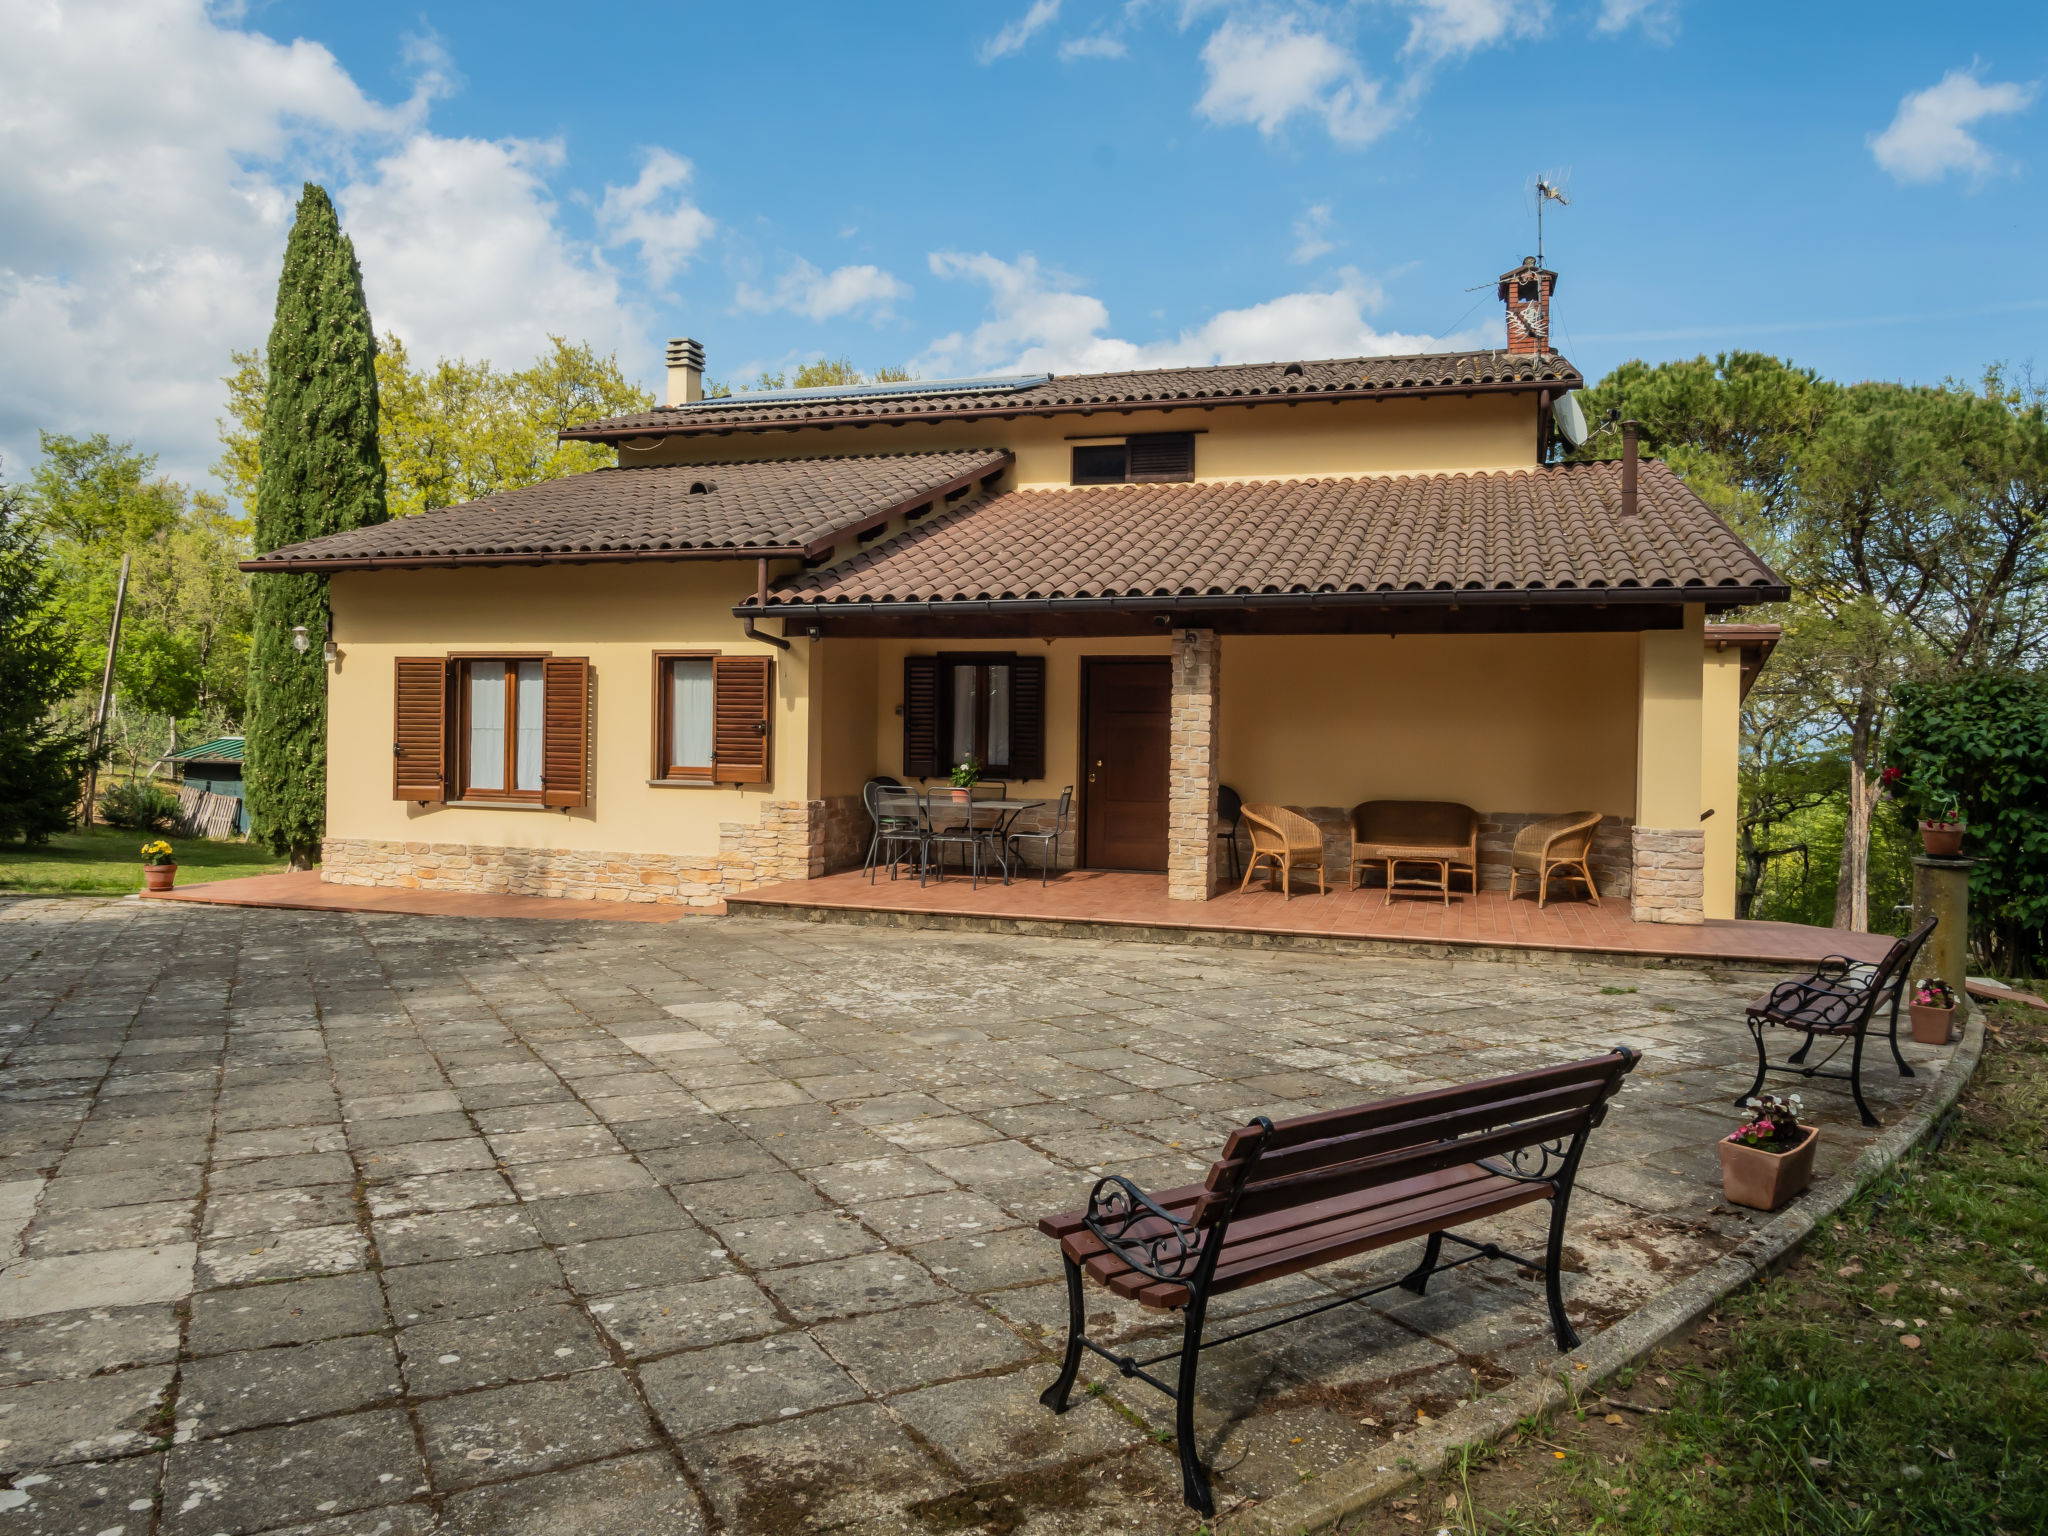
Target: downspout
{"points": [[761, 601]]}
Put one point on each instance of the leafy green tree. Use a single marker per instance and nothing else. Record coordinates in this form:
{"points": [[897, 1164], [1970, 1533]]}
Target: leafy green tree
{"points": [[1979, 739], [457, 430], [816, 375], [42, 764], [319, 472]]}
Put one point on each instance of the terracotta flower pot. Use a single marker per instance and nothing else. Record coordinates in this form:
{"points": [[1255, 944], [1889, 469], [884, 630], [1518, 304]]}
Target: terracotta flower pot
{"points": [[1931, 1024], [962, 796], [158, 877], [1762, 1180], [1942, 839]]}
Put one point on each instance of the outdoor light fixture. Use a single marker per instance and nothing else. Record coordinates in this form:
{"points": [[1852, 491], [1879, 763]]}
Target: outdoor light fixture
{"points": [[300, 639], [329, 651]]}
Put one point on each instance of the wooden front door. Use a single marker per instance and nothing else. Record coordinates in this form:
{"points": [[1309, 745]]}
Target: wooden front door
{"points": [[1127, 709]]}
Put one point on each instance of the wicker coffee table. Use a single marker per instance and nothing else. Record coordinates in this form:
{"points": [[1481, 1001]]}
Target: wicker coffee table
{"points": [[1422, 853]]}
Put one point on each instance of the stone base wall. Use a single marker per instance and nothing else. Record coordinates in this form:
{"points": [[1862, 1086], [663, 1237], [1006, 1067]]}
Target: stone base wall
{"points": [[1670, 875], [846, 832], [1613, 856], [788, 843]]}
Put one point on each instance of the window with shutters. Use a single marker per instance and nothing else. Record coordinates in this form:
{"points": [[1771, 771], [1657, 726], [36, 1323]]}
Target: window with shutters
{"points": [[985, 707], [492, 730], [1140, 459]]}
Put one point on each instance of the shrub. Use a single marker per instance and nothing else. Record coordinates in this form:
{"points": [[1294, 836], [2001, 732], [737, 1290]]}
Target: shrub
{"points": [[139, 806]]}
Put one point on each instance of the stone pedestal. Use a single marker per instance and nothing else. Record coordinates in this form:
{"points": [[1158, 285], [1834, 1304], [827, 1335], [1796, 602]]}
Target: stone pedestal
{"points": [[1941, 890], [1669, 879], [1191, 779]]}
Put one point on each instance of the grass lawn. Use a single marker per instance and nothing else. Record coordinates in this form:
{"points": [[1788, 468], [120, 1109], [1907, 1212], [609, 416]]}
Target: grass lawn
{"points": [[103, 861], [1893, 1380]]}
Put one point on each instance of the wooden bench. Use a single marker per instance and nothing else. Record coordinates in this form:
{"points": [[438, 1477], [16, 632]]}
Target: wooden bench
{"points": [[1838, 1000], [1287, 1196]]}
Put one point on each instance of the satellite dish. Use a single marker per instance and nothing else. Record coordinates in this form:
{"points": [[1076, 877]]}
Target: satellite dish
{"points": [[1570, 420]]}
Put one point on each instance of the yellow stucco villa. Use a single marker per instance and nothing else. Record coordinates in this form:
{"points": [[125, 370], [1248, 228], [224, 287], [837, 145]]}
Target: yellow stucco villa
{"points": [[1318, 582]]}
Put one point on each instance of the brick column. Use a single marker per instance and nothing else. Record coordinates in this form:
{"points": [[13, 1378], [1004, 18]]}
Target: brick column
{"points": [[1191, 772], [1670, 875]]}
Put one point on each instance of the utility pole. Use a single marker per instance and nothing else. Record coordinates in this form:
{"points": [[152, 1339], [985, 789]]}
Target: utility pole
{"points": [[99, 716]]}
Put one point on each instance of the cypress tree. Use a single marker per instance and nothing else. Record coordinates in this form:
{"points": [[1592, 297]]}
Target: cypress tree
{"points": [[42, 765], [321, 473]]}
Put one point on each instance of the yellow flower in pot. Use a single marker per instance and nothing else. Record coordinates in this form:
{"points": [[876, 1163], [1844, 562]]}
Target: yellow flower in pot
{"points": [[159, 865], [1769, 1160]]}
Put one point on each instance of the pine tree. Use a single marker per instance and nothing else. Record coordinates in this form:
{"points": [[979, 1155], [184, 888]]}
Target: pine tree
{"points": [[321, 473], [42, 767]]}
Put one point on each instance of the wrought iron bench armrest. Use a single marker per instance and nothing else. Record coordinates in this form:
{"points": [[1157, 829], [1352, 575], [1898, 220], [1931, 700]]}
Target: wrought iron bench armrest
{"points": [[1116, 1206]]}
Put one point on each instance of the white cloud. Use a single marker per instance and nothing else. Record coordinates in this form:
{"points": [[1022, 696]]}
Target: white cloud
{"points": [[805, 290], [155, 152], [1265, 69], [1930, 136], [1013, 37], [1038, 322], [1096, 45], [1657, 18], [1312, 233], [1442, 29], [654, 214]]}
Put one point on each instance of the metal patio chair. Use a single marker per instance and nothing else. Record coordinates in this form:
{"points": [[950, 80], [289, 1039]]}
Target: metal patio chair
{"points": [[1048, 840]]}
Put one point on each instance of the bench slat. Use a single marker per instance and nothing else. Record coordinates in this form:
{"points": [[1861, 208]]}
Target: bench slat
{"points": [[1358, 1146], [1366, 1117], [1260, 1197]]}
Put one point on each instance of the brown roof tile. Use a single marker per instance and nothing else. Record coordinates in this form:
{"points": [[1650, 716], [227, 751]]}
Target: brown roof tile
{"points": [[655, 511], [1429, 373], [1514, 531]]}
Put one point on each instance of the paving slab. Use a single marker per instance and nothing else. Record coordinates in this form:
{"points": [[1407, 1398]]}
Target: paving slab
{"points": [[481, 1437], [92, 1499], [297, 1312], [264, 1478], [746, 1383], [59, 1421], [628, 1496], [498, 1348], [74, 1344], [123, 1277], [224, 1393], [850, 1468]]}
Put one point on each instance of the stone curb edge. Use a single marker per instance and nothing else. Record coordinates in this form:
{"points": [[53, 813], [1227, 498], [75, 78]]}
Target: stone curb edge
{"points": [[1671, 1314]]}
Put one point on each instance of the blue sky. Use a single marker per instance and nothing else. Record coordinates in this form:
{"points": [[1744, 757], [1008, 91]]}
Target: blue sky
{"points": [[979, 187]]}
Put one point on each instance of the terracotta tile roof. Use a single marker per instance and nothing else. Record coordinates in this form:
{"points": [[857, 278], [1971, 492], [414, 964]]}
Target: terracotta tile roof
{"points": [[1543, 530], [658, 511], [1430, 373]]}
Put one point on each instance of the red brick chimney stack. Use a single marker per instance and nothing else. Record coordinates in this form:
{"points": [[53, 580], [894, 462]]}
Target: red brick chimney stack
{"points": [[1526, 293]]}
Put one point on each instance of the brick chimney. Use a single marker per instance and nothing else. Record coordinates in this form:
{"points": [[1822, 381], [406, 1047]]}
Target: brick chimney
{"points": [[1526, 293], [685, 371]]}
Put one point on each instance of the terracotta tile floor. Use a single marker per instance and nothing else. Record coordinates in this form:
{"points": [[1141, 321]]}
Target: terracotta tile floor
{"points": [[1101, 897]]}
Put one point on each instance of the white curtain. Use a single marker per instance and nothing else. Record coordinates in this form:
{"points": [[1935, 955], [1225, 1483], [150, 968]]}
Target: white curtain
{"points": [[999, 715], [531, 716], [964, 680], [487, 725], [690, 713]]}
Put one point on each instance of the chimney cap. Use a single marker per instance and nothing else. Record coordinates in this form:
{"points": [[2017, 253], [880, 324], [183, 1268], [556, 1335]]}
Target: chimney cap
{"points": [[685, 352]]}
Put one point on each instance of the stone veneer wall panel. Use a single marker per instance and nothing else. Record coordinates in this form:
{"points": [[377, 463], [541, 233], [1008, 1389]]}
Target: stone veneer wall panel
{"points": [[1670, 875], [788, 843], [1191, 846]]}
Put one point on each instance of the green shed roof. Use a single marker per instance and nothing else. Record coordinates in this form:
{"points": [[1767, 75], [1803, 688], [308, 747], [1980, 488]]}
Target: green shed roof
{"points": [[222, 749]]}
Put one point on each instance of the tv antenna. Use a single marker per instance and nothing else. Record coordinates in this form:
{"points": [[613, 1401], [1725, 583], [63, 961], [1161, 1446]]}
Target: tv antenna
{"points": [[1548, 190]]}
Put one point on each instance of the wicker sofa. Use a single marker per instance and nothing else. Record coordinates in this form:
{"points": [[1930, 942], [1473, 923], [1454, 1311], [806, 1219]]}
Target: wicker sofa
{"points": [[1378, 825]]}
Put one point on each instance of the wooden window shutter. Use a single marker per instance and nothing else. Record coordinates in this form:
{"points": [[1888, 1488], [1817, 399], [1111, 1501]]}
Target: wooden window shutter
{"points": [[1157, 456], [565, 731], [419, 736], [921, 717], [742, 700], [1027, 717]]}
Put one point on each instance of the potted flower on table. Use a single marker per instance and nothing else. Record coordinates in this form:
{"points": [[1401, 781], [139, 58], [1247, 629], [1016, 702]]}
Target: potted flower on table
{"points": [[1769, 1160], [159, 866], [1934, 1010], [964, 778]]}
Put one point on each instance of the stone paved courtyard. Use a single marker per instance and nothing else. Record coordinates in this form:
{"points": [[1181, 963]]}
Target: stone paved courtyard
{"points": [[376, 1226]]}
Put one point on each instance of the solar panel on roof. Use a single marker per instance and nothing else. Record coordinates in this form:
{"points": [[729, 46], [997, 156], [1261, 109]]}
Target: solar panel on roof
{"points": [[755, 397]]}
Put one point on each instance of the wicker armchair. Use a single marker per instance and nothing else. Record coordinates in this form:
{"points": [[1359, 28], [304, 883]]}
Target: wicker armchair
{"points": [[1286, 839], [1555, 845]]}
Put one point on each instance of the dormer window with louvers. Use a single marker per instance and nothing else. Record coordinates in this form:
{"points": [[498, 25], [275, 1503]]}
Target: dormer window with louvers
{"points": [[1143, 458]]}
